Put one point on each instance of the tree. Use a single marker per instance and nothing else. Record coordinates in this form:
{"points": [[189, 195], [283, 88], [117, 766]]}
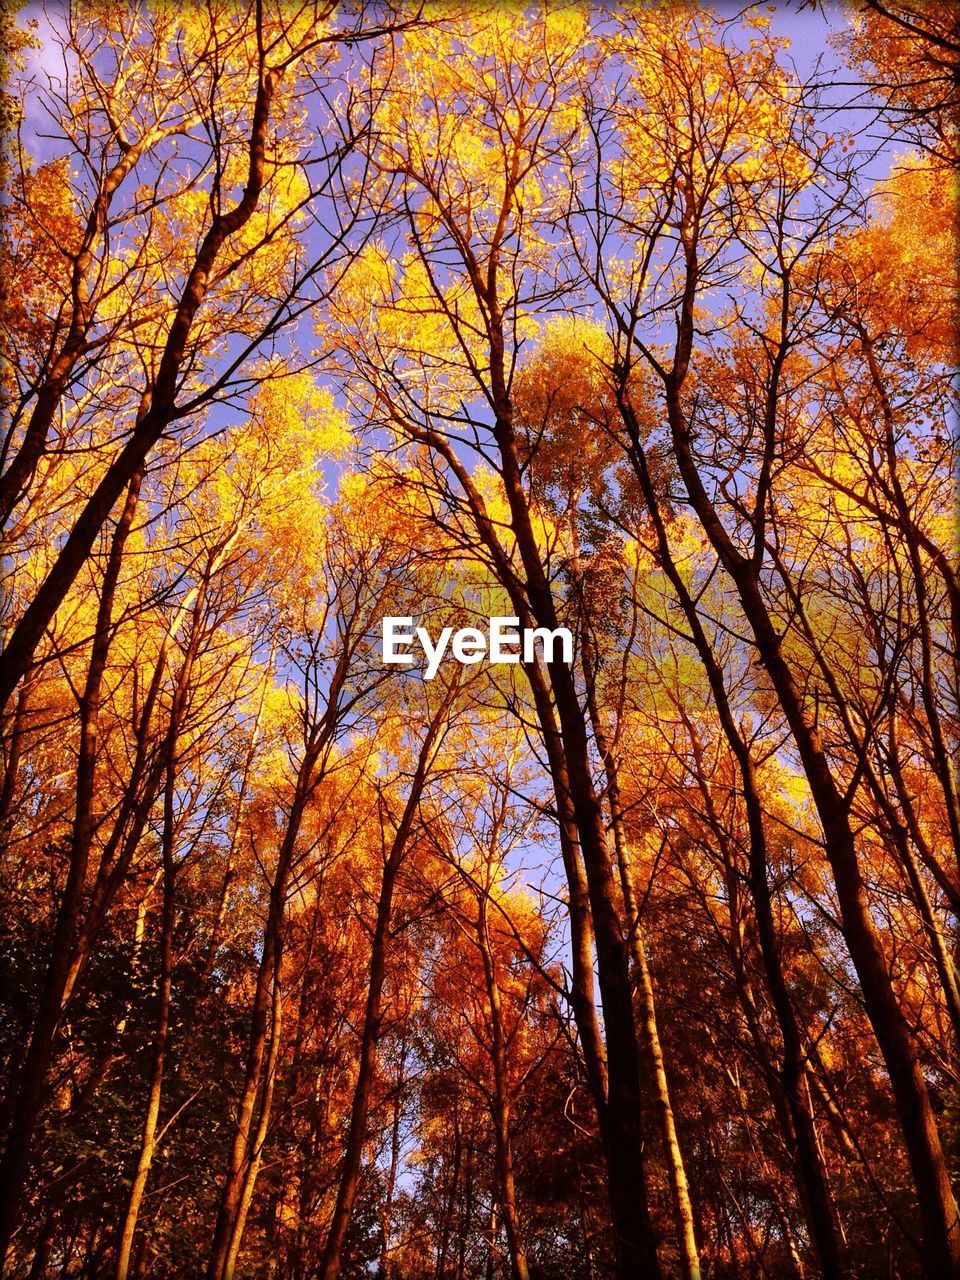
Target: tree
{"points": [[637, 963]]}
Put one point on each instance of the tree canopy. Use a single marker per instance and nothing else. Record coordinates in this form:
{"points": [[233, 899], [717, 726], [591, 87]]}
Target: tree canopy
{"points": [[639, 322]]}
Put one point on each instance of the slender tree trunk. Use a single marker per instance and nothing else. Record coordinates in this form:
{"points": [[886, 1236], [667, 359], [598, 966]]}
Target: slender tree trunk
{"points": [[466, 1214], [216, 926], [148, 1144], [938, 1207], [13, 747], [811, 1176], [582, 939], [677, 1174], [624, 1132], [32, 1083], [446, 1224], [349, 1183], [386, 1216], [253, 1107], [503, 1146], [582, 999], [254, 1159], [492, 1242], [148, 1141], [249, 1116]]}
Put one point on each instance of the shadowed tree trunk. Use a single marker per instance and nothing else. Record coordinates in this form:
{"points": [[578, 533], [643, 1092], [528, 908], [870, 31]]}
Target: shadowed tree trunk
{"points": [[503, 1146], [647, 1020], [811, 1175], [329, 1267], [938, 1207], [32, 1082]]}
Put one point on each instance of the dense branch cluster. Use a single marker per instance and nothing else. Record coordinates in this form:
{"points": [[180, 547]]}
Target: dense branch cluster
{"points": [[621, 321]]}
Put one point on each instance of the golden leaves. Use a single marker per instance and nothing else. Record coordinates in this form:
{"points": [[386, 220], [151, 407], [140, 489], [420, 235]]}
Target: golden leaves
{"points": [[703, 109], [905, 262]]}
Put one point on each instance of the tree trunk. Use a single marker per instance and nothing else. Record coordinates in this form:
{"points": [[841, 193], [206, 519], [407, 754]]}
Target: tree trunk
{"points": [[255, 1156], [623, 1135], [811, 1175], [503, 1147], [677, 1174], [263, 1039], [446, 1223], [386, 1216], [938, 1207], [36, 1067], [148, 1142], [621, 1122], [329, 1267]]}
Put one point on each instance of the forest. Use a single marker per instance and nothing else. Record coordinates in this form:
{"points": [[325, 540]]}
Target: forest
{"points": [[636, 321]]}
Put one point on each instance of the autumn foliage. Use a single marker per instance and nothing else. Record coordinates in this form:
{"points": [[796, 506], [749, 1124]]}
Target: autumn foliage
{"points": [[639, 321]]}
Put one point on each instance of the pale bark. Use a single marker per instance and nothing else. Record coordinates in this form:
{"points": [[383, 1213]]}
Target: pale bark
{"points": [[676, 1171], [148, 1141]]}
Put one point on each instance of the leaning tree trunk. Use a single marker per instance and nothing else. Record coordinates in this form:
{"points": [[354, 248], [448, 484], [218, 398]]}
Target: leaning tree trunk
{"points": [[939, 1213], [812, 1178], [32, 1081]]}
